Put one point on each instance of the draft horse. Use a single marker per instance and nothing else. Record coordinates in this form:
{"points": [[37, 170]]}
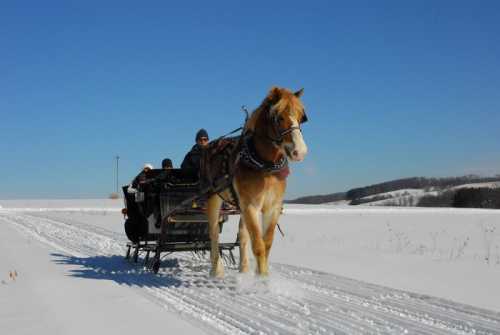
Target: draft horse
{"points": [[270, 137]]}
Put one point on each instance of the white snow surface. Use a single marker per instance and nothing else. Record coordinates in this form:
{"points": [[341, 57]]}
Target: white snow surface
{"points": [[338, 269], [494, 184], [398, 193], [405, 197]]}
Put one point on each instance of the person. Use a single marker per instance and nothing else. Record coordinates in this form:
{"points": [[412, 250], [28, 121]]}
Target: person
{"points": [[192, 159], [166, 164], [140, 178]]}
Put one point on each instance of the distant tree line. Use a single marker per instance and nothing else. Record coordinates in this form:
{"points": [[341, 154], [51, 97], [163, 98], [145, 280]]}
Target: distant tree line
{"points": [[444, 199], [477, 198], [464, 198], [318, 199], [361, 201], [416, 182]]}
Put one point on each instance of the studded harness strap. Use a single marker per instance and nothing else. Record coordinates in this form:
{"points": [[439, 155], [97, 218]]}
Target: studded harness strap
{"points": [[248, 156]]}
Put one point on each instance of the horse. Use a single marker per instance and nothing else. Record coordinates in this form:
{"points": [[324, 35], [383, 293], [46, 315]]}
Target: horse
{"points": [[271, 136]]}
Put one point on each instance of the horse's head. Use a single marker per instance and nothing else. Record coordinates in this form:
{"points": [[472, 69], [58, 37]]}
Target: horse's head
{"points": [[285, 113]]}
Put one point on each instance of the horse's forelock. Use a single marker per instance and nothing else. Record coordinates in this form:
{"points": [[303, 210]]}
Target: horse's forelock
{"points": [[289, 104], [280, 101]]}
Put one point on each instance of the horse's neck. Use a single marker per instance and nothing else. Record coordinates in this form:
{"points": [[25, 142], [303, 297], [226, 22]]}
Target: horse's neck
{"points": [[266, 150]]}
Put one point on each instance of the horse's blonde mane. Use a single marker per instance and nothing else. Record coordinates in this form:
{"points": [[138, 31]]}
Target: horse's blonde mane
{"points": [[254, 117]]}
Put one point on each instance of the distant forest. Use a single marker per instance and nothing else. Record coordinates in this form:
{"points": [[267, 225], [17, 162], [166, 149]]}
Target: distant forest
{"points": [[467, 197], [416, 182], [464, 198], [318, 199]]}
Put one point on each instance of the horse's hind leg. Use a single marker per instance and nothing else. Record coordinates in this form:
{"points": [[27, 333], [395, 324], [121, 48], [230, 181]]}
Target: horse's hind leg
{"points": [[213, 207], [243, 239]]}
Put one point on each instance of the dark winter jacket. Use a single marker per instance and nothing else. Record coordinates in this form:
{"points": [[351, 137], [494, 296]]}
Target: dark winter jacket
{"points": [[140, 178], [192, 158]]}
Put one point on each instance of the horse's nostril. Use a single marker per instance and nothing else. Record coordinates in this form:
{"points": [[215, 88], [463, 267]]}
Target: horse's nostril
{"points": [[295, 153]]}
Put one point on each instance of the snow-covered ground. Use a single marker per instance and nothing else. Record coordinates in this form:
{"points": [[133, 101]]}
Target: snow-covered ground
{"points": [[397, 193], [339, 269], [493, 184], [405, 197]]}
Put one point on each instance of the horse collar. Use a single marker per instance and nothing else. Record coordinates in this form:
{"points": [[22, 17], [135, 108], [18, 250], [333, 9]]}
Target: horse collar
{"points": [[250, 158]]}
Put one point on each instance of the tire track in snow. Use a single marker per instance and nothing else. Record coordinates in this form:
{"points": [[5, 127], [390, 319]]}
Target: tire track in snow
{"points": [[292, 301]]}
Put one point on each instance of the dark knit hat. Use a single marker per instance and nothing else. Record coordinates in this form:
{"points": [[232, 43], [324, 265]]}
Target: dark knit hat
{"points": [[166, 163], [201, 133]]}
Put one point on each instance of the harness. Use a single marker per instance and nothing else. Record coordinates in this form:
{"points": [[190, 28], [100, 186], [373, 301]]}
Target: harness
{"points": [[248, 156], [224, 154]]}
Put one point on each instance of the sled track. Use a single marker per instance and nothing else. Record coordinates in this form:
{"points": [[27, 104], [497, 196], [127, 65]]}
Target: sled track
{"points": [[293, 300]]}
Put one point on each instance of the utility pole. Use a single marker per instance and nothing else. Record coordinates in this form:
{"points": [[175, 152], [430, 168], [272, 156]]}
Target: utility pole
{"points": [[117, 159]]}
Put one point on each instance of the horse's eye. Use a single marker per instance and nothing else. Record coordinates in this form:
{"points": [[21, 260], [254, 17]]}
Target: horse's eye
{"points": [[280, 119]]}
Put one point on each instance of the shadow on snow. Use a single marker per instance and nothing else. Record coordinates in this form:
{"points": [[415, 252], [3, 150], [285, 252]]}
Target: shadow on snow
{"points": [[121, 271], [183, 272]]}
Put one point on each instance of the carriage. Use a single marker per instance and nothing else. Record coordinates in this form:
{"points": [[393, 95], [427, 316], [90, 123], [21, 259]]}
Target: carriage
{"points": [[167, 213]]}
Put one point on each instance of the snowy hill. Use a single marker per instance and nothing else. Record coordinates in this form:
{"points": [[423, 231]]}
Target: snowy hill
{"points": [[341, 269], [404, 197], [478, 185], [408, 192]]}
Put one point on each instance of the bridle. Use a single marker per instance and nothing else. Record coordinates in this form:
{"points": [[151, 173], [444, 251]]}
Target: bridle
{"points": [[248, 154], [277, 141]]}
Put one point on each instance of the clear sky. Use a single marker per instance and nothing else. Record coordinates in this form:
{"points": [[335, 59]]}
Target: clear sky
{"points": [[392, 88]]}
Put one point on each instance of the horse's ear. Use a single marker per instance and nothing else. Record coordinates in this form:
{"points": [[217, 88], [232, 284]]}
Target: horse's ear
{"points": [[299, 93]]}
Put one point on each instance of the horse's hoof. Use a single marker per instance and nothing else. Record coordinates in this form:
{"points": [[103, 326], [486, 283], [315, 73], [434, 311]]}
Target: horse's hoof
{"points": [[262, 274], [217, 271], [262, 271], [217, 274]]}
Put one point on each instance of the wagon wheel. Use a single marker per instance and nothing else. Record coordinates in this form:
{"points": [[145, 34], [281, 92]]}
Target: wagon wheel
{"points": [[127, 255], [136, 253], [231, 257], [155, 266], [155, 263]]}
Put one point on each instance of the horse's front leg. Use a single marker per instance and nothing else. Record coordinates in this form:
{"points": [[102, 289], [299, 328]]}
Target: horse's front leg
{"points": [[213, 207], [243, 239], [252, 222], [269, 222]]}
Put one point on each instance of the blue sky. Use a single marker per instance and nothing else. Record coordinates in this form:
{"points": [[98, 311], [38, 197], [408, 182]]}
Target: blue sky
{"points": [[392, 89]]}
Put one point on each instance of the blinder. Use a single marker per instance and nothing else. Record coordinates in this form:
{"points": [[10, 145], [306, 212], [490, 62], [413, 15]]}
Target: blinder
{"points": [[304, 118]]}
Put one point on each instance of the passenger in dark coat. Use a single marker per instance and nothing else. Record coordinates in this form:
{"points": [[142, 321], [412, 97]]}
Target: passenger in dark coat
{"points": [[192, 159], [139, 179]]}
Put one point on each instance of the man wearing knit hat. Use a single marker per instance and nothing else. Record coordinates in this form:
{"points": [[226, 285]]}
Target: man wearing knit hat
{"points": [[166, 164], [192, 159]]}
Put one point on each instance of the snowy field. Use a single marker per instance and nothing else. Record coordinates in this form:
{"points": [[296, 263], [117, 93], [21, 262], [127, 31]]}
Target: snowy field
{"points": [[338, 269]]}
